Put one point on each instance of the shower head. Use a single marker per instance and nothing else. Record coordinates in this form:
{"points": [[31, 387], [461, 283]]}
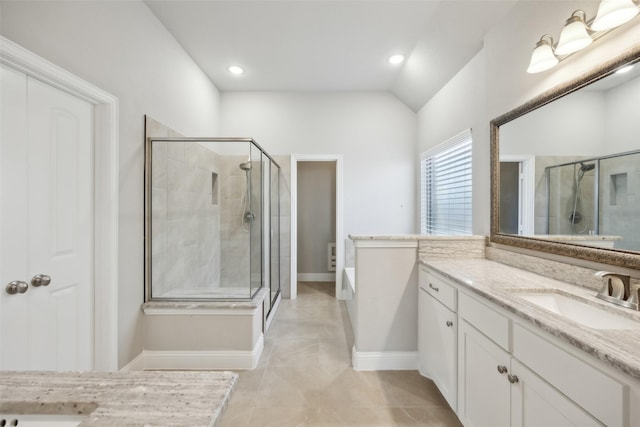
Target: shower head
{"points": [[588, 167], [246, 166]]}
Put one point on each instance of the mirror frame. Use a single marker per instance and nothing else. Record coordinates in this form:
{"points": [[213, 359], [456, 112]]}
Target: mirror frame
{"points": [[617, 257]]}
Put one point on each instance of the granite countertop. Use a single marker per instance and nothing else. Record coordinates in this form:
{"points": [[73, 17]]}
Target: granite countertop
{"points": [[141, 398], [500, 284], [413, 237]]}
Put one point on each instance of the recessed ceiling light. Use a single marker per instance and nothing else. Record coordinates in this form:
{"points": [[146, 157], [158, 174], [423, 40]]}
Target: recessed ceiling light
{"points": [[234, 69], [624, 69], [396, 59]]}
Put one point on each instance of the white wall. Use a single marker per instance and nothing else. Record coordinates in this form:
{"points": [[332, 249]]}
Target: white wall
{"points": [[458, 106], [374, 132], [122, 48], [316, 215]]}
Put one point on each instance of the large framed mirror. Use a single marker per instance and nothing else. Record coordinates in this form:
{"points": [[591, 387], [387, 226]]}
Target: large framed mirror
{"points": [[565, 168]]}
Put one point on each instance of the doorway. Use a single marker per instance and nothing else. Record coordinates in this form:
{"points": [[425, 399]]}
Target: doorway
{"points": [[322, 250], [517, 189]]}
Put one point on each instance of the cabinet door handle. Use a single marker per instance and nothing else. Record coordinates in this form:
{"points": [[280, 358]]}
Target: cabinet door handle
{"points": [[513, 379], [434, 288], [449, 323], [502, 369]]}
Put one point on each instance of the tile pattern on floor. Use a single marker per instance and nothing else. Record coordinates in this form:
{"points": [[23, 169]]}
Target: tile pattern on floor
{"points": [[305, 378]]}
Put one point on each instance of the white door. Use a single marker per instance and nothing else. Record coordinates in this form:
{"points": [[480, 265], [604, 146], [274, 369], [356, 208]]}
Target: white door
{"points": [[46, 226]]}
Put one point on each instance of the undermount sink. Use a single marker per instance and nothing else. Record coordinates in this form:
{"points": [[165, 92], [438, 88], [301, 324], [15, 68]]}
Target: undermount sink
{"points": [[41, 420], [579, 311]]}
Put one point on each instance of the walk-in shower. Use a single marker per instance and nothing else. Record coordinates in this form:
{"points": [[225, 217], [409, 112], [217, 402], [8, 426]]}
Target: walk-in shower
{"points": [[596, 196], [212, 220]]}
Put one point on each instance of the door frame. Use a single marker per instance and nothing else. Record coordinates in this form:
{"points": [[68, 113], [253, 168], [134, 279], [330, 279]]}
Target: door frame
{"points": [[339, 237], [526, 214], [105, 192]]}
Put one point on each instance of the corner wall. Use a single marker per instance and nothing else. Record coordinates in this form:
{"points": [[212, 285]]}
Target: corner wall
{"points": [[495, 81], [123, 49], [373, 131]]}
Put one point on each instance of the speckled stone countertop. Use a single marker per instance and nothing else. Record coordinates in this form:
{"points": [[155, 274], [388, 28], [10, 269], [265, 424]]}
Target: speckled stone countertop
{"points": [[413, 237], [501, 284], [149, 398]]}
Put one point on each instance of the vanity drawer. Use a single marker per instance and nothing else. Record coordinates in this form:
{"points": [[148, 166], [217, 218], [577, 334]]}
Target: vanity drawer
{"points": [[587, 386], [485, 319], [439, 288]]}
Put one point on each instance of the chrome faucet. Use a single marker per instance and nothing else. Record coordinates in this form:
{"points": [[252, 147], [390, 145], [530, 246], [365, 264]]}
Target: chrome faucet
{"points": [[617, 289]]}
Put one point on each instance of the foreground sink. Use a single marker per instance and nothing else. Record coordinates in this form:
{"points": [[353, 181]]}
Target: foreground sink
{"points": [[580, 311], [41, 420]]}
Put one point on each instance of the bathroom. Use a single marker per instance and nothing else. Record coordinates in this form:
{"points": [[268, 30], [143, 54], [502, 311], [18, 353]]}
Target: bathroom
{"points": [[126, 50]]}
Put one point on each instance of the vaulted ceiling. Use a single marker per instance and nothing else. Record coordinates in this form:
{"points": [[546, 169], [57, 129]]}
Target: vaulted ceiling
{"points": [[330, 45]]}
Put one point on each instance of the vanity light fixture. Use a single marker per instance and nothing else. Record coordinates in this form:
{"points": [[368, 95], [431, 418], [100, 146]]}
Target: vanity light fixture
{"points": [[234, 69], [542, 57], [574, 35], [578, 33], [396, 59], [613, 13]]}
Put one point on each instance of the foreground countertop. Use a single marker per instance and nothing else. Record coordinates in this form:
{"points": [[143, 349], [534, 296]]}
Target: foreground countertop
{"points": [[500, 284], [141, 398]]}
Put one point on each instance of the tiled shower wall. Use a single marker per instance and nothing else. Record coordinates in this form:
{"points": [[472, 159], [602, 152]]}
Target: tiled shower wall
{"points": [[619, 209], [186, 212]]}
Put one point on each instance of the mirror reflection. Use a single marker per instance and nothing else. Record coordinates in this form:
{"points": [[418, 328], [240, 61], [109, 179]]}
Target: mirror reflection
{"points": [[570, 170]]}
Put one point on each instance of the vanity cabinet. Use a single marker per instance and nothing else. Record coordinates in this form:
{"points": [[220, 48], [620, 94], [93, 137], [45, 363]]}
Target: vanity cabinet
{"points": [[511, 376], [503, 371], [437, 338], [498, 390]]}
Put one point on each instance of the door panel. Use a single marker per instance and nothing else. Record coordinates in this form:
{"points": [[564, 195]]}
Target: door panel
{"points": [[54, 327], [13, 205]]}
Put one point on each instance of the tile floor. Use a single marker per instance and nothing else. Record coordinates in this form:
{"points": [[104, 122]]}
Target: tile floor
{"points": [[304, 377]]}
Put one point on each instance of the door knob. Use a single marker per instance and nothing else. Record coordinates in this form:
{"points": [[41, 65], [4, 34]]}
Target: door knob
{"points": [[513, 379], [40, 280], [17, 286], [502, 369]]}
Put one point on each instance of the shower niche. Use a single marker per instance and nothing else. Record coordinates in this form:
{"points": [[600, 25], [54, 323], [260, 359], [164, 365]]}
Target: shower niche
{"points": [[212, 250]]}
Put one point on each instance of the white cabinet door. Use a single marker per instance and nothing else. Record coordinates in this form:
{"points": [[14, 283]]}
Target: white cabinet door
{"points": [[437, 345], [46, 221], [535, 403], [483, 391]]}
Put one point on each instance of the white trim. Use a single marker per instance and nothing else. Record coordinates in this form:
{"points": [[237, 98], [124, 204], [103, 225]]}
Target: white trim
{"points": [[316, 277], [106, 191], [454, 140], [526, 220], [384, 360], [337, 158], [197, 360]]}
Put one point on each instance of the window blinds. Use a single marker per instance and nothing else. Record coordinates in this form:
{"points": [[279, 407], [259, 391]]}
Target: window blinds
{"points": [[445, 187]]}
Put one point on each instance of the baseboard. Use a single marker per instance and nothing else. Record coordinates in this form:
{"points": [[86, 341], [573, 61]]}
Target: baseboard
{"points": [[384, 360], [316, 277], [150, 360]]}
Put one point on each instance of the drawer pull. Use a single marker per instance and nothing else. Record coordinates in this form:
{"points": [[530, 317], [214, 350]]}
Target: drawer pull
{"points": [[502, 369], [513, 379], [434, 288], [449, 323]]}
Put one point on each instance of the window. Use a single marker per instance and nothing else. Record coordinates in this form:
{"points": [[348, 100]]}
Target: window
{"points": [[445, 187]]}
